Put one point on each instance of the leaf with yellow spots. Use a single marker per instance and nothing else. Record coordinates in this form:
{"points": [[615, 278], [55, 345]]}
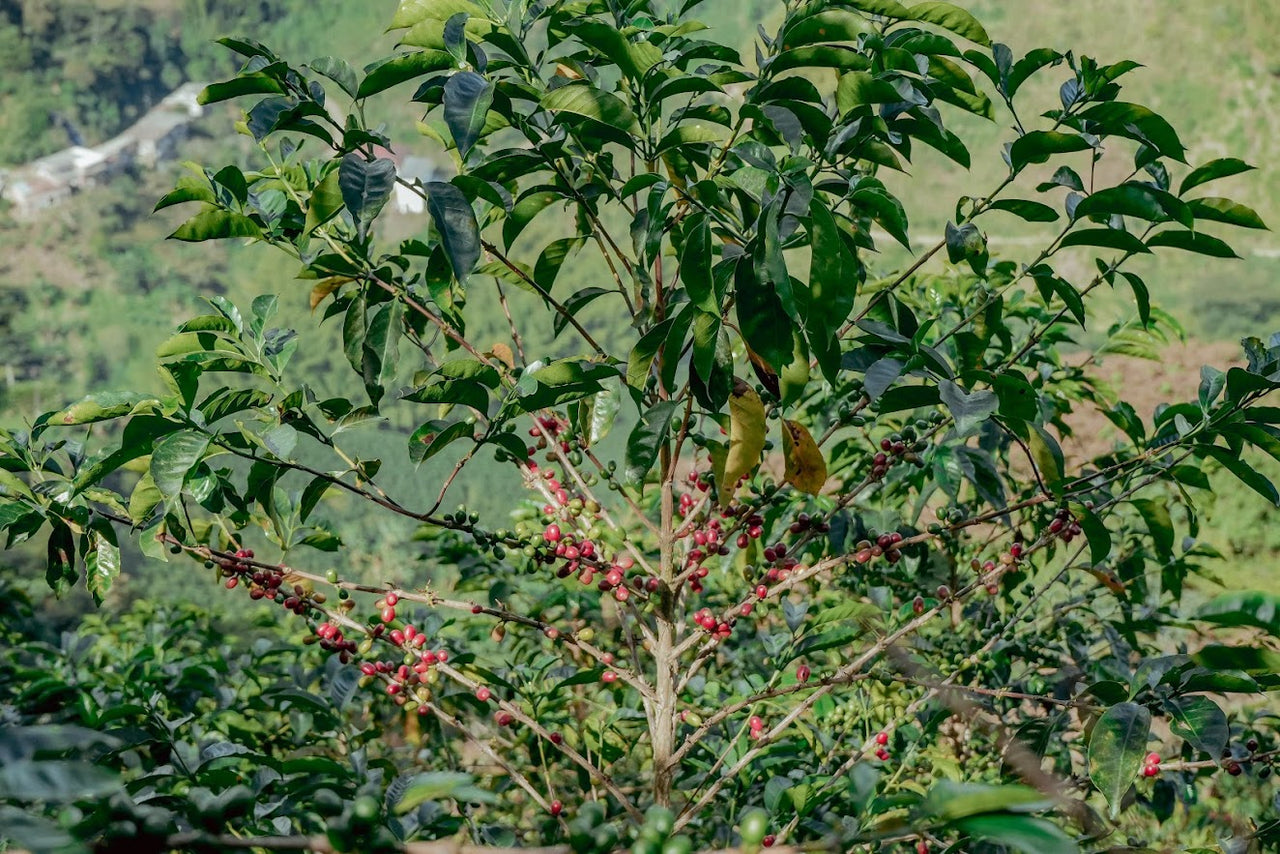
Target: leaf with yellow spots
{"points": [[746, 438], [806, 469]]}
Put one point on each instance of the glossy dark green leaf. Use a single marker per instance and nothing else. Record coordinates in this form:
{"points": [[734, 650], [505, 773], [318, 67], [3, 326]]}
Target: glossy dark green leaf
{"points": [[1225, 210], [646, 439], [1116, 750], [434, 436], [339, 71], [833, 281], [455, 220], [1025, 209], [366, 185], [1159, 523], [467, 98], [583, 99], [1119, 118], [399, 69], [1039, 145], [1135, 200], [1192, 241], [695, 265], [1223, 167], [1106, 238]]}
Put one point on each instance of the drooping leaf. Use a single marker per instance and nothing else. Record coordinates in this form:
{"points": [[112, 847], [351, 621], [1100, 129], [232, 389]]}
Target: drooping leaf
{"points": [[455, 219], [806, 469], [398, 69], [747, 431], [467, 98], [968, 409], [953, 18], [1116, 750]]}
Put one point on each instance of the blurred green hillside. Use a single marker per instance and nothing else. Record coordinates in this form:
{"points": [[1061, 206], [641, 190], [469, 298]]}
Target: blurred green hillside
{"points": [[88, 290]]}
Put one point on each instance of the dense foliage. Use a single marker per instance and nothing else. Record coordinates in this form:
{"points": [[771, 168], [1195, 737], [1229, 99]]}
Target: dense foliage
{"points": [[838, 581]]}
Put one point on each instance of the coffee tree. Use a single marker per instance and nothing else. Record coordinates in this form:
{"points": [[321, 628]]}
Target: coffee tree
{"points": [[833, 579]]}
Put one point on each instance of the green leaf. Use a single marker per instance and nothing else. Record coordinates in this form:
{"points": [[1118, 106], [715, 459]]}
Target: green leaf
{"points": [[398, 69], [833, 285], [695, 265], [102, 562], [439, 786], [1025, 833], [1116, 750], [1200, 721], [467, 98], [950, 800], [640, 361], [1192, 241], [1159, 523], [1217, 209], [215, 224], [522, 213], [1119, 118], [1135, 200], [255, 83], [326, 200], [1096, 533], [382, 343], [1027, 210], [646, 439], [1106, 238], [411, 12], [582, 99], [173, 458], [37, 834], [953, 18], [338, 70], [1223, 167], [1039, 145], [100, 407], [366, 185], [1250, 608], [455, 219], [434, 436], [968, 409]]}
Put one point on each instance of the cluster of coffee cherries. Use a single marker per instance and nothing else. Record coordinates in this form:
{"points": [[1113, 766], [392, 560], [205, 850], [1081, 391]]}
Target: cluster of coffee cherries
{"points": [[897, 448], [1151, 765], [987, 567], [582, 558], [885, 545], [554, 426], [756, 725], [268, 583], [882, 745], [1064, 526], [711, 625]]}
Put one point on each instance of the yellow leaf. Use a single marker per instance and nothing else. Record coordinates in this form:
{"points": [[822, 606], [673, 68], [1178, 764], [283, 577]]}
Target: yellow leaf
{"points": [[503, 353], [746, 438], [324, 287], [806, 469]]}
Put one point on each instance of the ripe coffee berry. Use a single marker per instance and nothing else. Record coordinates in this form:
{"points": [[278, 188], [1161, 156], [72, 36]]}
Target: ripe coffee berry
{"points": [[483, 694], [556, 808], [802, 673], [608, 676], [557, 738], [768, 841], [882, 738]]}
